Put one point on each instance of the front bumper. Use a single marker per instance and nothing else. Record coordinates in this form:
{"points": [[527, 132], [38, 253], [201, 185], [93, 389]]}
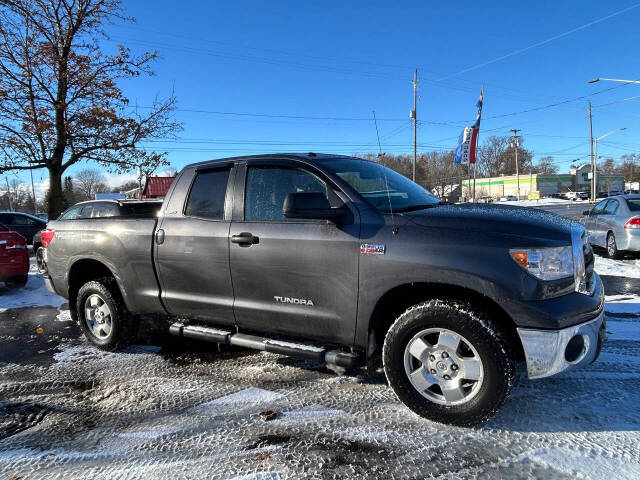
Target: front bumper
{"points": [[548, 352]]}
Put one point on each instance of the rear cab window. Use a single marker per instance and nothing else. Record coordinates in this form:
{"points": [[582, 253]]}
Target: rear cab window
{"points": [[70, 214], [207, 195]]}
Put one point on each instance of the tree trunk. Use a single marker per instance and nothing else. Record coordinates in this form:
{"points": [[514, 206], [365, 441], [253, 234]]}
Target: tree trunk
{"points": [[56, 198]]}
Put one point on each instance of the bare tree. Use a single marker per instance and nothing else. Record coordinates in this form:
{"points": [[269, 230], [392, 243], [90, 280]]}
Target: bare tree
{"points": [[88, 182], [545, 166], [60, 100], [498, 157]]}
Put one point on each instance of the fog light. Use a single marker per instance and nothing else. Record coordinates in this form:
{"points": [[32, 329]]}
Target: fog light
{"points": [[575, 349]]}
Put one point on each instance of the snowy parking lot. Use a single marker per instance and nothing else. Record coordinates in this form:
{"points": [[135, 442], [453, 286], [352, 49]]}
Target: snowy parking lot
{"points": [[161, 410]]}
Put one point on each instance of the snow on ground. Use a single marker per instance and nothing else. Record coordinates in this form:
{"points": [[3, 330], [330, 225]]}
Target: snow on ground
{"points": [[629, 268], [543, 201], [34, 294]]}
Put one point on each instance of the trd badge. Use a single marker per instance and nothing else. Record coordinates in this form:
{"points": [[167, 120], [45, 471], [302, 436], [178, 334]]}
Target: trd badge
{"points": [[370, 249]]}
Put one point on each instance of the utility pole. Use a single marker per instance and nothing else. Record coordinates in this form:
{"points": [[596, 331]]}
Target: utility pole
{"points": [[377, 133], [516, 144], [33, 191], [414, 114], [9, 193], [594, 185]]}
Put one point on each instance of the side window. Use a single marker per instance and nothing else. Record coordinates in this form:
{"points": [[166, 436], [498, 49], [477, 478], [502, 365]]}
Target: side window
{"points": [[267, 188], [102, 210], [22, 220], [85, 211], [612, 207], [599, 208], [70, 214], [207, 195]]}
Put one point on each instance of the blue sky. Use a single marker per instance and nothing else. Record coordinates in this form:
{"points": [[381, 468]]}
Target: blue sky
{"points": [[342, 60]]}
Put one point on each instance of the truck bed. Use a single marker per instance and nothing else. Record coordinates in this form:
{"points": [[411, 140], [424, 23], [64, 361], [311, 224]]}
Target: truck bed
{"points": [[123, 244]]}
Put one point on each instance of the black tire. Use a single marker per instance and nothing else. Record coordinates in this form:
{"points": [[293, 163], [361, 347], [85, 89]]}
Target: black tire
{"points": [[40, 263], [122, 324], [493, 348], [611, 247], [17, 282]]}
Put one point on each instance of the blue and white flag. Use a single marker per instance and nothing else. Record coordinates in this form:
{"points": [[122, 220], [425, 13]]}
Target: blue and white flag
{"points": [[466, 151]]}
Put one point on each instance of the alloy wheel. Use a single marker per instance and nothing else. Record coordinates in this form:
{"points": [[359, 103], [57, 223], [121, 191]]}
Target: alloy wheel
{"points": [[443, 366]]}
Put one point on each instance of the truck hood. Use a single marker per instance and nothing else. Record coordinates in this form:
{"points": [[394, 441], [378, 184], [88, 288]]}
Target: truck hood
{"points": [[504, 219]]}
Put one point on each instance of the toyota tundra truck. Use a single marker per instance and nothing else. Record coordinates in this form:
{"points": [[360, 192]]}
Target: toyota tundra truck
{"points": [[342, 261]]}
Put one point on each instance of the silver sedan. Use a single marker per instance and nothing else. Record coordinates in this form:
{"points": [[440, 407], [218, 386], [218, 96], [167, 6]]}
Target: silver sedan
{"points": [[614, 224]]}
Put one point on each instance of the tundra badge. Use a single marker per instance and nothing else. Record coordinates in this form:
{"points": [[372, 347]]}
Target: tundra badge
{"points": [[295, 301]]}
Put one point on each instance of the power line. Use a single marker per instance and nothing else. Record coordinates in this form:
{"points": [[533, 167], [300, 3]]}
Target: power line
{"points": [[538, 44]]}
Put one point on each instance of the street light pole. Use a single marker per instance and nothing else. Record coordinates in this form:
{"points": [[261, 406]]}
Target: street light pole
{"points": [[594, 168], [516, 144], [593, 159], [594, 80]]}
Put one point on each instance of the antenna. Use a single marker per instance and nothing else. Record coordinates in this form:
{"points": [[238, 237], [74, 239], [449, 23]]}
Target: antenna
{"points": [[377, 133]]}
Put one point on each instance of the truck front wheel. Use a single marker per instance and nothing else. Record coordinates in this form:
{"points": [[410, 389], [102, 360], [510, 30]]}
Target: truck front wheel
{"points": [[103, 316], [448, 363]]}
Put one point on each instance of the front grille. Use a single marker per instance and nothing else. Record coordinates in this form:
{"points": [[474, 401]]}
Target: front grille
{"points": [[589, 260]]}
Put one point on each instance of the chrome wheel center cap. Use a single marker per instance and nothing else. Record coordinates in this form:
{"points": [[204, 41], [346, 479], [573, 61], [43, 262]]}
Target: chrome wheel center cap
{"points": [[441, 366]]}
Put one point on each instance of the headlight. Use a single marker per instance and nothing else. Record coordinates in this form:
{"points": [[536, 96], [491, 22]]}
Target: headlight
{"points": [[545, 263]]}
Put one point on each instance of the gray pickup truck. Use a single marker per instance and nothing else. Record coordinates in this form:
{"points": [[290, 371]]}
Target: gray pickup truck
{"points": [[342, 261]]}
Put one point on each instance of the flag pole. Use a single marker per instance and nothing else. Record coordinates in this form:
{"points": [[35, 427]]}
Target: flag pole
{"points": [[475, 159]]}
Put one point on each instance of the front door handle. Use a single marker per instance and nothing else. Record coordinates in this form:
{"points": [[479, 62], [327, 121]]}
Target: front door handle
{"points": [[160, 236], [244, 239]]}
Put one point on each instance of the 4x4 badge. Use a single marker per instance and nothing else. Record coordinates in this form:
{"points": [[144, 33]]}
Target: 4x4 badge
{"points": [[370, 249]]}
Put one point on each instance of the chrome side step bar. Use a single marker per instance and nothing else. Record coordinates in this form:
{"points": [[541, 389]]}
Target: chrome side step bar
{"points": [[319, 354]]}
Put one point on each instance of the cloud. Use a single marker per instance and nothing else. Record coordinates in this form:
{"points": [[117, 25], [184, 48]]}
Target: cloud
{"points": [[117, 179]]}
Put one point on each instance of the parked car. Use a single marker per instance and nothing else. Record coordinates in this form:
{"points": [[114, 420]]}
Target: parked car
{"points": [[25, 224], [614, 224], [342, 261], [14, 258], [576, 196], [602, 195]]}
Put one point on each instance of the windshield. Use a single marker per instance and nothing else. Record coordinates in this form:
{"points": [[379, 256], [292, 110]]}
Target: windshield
{"points": [[382, 187]]}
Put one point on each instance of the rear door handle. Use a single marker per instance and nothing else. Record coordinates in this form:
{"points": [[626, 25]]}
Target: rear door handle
{"points": [[244, 238]]}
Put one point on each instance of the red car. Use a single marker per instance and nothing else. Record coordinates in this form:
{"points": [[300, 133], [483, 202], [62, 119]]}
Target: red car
{"points": [[14, 258]]}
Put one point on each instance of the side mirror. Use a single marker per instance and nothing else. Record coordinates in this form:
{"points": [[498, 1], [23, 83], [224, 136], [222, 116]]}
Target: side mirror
{"points": [[586, 212], [310, 205]]}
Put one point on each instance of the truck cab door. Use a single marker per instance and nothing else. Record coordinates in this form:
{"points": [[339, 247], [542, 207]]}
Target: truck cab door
{"points": [[192, 246], [293, 277]]}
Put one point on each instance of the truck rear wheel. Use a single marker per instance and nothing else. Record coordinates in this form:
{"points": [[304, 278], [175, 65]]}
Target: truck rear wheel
{"points": [[103, 316], [448, 363], [17, 282]]}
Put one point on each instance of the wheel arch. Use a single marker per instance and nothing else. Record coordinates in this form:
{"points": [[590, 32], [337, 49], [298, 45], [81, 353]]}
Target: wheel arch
{"points": [[395, 301], [83, 271]]}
